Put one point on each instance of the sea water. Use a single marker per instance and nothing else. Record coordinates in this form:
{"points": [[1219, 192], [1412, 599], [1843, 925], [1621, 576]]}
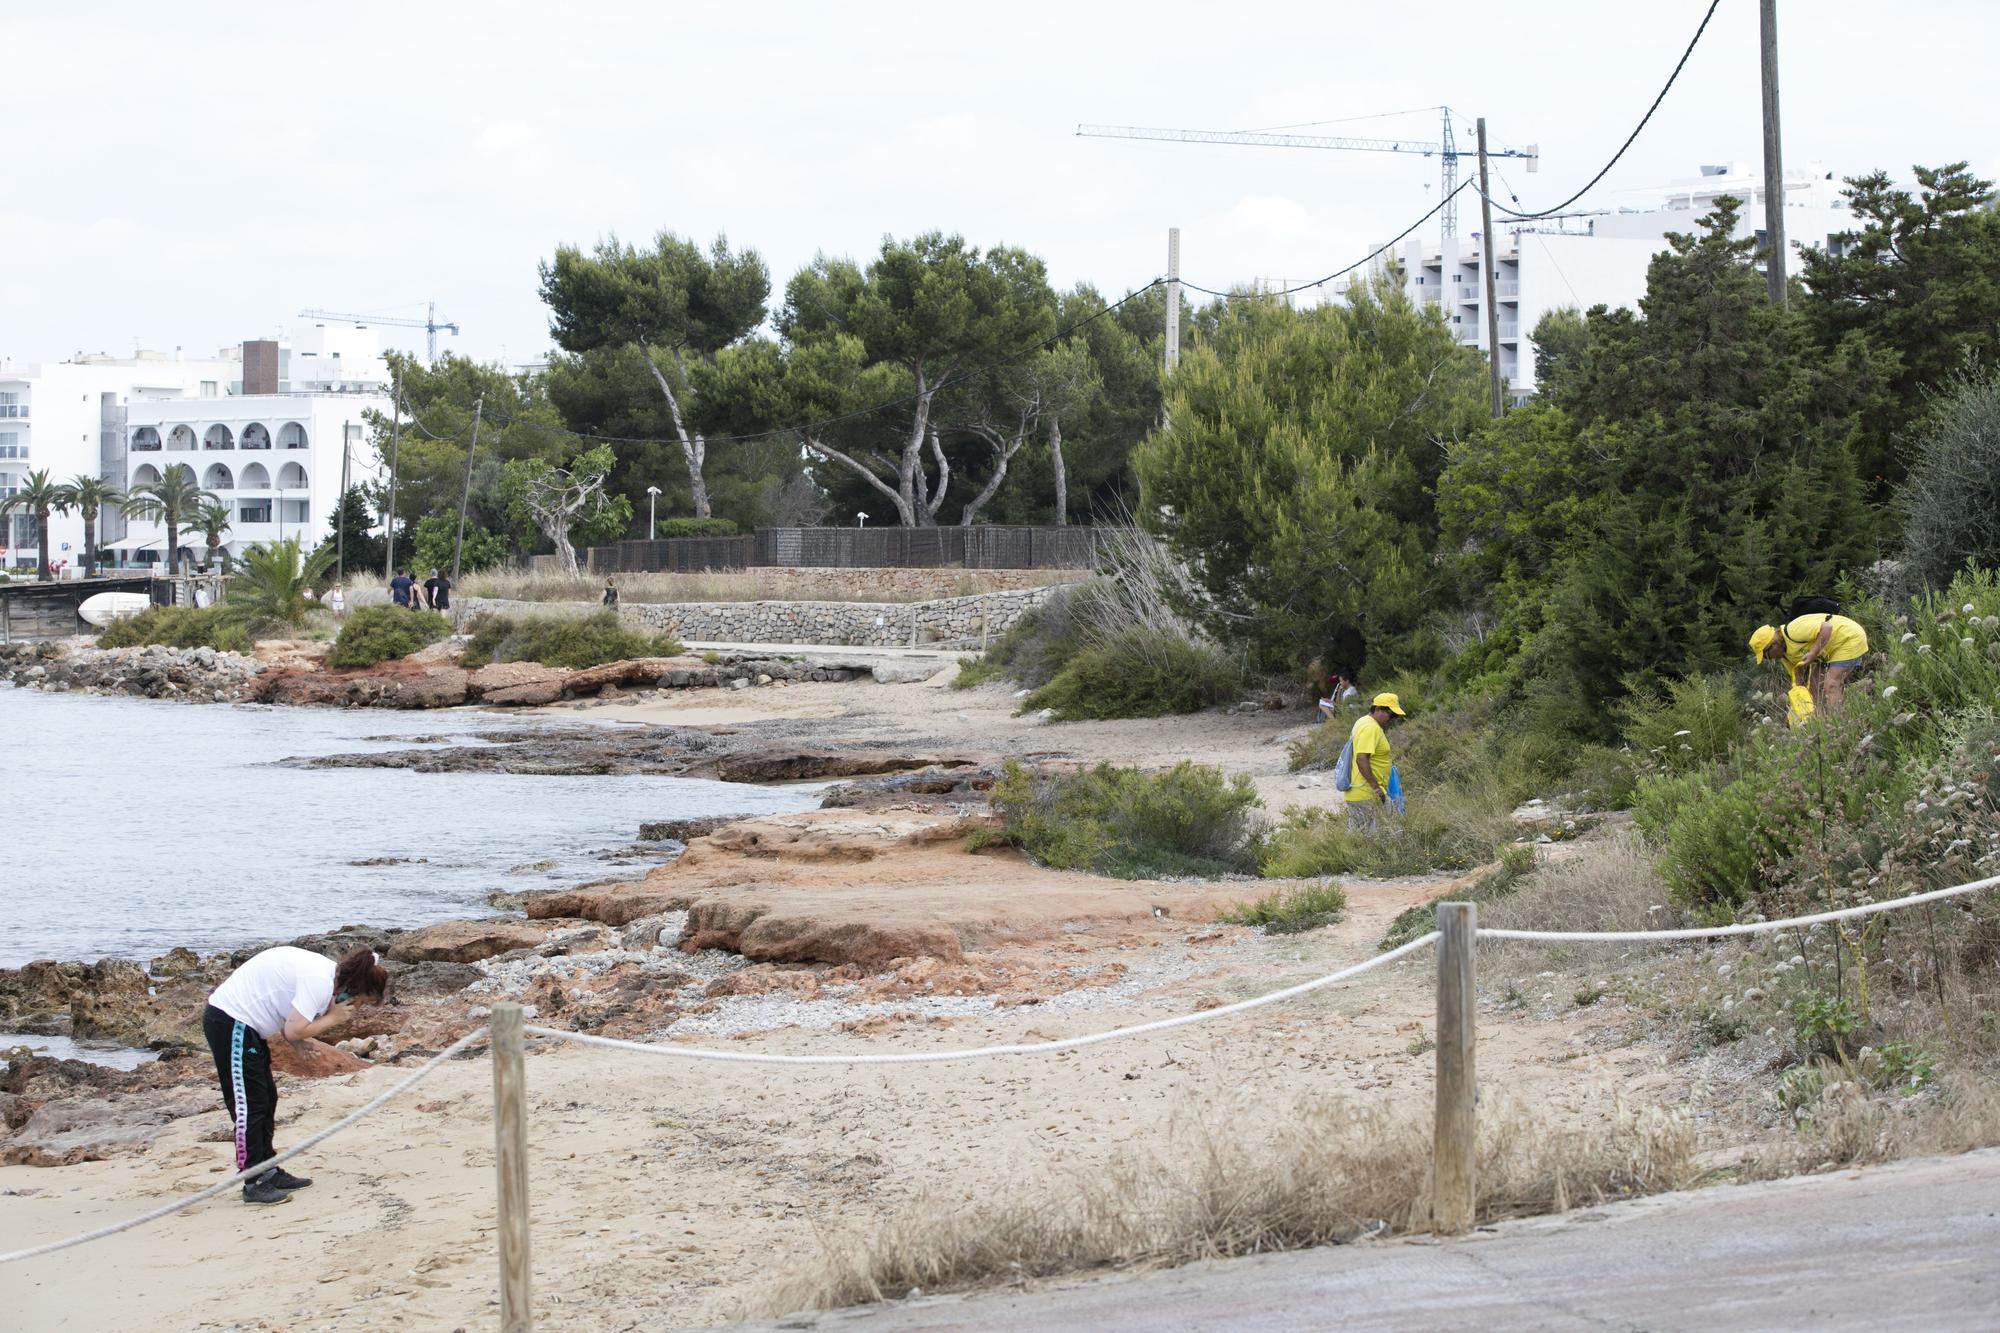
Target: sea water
{"points": [[130, 826]]}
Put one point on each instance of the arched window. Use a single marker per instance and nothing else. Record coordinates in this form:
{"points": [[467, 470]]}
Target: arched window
{"points": [[145, 475], [145, 439], [218, 478], [180, 437], [183, 469], [291, 477], [256, 437], [292, 436], [255, 478], [218, 437]]}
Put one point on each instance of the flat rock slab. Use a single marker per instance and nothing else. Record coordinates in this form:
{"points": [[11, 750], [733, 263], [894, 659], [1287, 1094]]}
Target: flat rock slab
{"points": [[313, 1059], [465, 941], [91, 1129]]}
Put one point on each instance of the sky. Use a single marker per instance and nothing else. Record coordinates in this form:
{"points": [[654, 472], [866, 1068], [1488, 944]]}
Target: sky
{"points": [[193, 174]]}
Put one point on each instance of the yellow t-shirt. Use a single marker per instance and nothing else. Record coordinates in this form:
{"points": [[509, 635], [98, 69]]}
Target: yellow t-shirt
{"points": [[1849, 640], [1371, 746]]}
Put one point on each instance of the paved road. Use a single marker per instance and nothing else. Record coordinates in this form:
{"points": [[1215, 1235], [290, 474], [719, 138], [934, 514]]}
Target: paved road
{"points": [[1915, 1245]]}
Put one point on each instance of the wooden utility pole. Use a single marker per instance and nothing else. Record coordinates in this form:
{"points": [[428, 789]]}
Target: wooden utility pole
{"points": [[1774, 158], [1173, 298], [510, 1162], [465, 500], [1455, 1123], [395, 440], [1492, 301]]}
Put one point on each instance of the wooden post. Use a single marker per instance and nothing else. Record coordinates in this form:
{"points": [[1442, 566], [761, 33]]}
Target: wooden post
{"points": [[1455, 1126], [510, 1161]]}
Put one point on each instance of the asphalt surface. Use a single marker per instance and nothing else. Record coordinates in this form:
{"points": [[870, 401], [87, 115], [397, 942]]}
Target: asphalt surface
{"points": [[1913, 1245]]}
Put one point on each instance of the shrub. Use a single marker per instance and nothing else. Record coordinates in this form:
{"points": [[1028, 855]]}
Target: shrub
{"points": [[1290, 911], [1515, 864], [1695, 722], [695, 527], [1139, 673], [1186, 820], [1951, 503], [1454, 827], [373, 634], [562, 641], [177, 627]]}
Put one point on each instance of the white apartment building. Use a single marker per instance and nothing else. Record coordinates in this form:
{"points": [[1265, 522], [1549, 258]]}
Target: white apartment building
{"points": [[262, 425], [1599, 259]]}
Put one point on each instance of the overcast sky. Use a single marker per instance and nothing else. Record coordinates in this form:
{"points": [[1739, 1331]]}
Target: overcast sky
{"points": [[191, 174]]}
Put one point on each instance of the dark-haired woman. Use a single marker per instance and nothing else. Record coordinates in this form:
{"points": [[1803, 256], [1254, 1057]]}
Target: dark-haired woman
{"points": [[281, 994]]}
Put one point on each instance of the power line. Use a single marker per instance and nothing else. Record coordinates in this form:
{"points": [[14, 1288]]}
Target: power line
{"points": [[1643, 120], [1365, 260]]}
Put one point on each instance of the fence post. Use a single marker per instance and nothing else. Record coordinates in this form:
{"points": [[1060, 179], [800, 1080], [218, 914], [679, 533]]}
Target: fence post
{"points": [[1455, 1123], [510, 1161]]}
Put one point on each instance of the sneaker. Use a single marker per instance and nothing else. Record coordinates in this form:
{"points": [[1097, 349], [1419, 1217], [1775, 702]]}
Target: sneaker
{"points": [[263, 1191], [285, 1180]]}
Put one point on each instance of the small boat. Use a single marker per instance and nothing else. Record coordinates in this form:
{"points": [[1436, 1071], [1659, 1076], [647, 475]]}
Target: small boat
{"points": [[100, 609]]}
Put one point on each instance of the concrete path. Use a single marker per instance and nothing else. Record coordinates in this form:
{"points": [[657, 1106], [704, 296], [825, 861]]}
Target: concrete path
{"points": [[1913, 1245]]}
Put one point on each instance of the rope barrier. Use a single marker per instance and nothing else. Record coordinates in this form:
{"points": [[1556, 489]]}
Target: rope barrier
{"points": [[1745, 928], [221, 1186], [983, 1052]]}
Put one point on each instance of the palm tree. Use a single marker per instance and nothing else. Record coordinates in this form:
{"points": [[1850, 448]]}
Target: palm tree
{"points": [[38, 496], [88, 495], [271, 589], [172, 500], [212, 518]]}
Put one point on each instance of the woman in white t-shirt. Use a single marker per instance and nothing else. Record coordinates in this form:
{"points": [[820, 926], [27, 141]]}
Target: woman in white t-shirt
{"points": [[280, 994]]}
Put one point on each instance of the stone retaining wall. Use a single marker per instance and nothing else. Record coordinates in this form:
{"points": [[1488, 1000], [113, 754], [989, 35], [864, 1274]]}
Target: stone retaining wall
{"points": [[953, 621]]}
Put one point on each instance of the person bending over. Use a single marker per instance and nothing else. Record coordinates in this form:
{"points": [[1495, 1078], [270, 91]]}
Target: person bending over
{"points": [[281, 994], [1368, 791], [1820, 651]]}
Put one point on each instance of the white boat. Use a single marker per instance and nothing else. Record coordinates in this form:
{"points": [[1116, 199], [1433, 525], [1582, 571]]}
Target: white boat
{"points": [[100, 609]]}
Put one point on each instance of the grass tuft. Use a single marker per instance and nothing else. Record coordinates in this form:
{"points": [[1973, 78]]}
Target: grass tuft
{"points": [[562, 641], [1290, 911]]}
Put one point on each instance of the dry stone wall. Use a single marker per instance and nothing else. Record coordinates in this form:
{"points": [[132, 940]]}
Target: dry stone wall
{"points": [[949, 622]]}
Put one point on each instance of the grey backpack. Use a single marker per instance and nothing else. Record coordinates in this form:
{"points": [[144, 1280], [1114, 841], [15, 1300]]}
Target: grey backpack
{"points": [[1343, 770]]}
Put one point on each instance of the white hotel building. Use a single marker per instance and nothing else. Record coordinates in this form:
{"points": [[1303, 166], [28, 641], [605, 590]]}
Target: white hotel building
{"points": [[1599, 259], [264, 426]]}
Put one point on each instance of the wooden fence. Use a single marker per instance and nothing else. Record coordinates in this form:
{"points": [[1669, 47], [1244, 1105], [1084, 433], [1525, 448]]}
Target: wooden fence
{"points": [[980, 547]]}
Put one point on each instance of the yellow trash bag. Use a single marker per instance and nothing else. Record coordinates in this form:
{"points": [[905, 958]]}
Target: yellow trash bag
{"points": [[1799, 708]]}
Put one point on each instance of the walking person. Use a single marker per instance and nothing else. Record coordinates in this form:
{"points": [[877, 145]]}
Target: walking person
{"points": [[1820, 650], [281, 994], [403, 589], [610, 593], [1368, 789], [437, 591], [337, 599]]}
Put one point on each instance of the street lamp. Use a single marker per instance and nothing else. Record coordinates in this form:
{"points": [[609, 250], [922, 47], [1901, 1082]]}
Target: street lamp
{"points": [[652, 522], [860, 519]]}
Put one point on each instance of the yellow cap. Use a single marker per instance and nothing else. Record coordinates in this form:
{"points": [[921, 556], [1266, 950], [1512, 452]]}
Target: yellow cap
{"points": [[1760, 642], [1390, 702]]}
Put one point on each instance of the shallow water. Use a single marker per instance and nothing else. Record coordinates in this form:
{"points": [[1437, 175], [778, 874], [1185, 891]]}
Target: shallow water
{"points": [[62, 1048], [129, 826]]}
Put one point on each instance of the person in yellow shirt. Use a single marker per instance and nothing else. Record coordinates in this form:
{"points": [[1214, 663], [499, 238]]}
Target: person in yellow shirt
{"points": [[1368, 792], [1820, 651]]}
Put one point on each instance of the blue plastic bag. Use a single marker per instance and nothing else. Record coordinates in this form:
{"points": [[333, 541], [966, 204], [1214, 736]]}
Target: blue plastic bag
{"points": [[1395, 790]]}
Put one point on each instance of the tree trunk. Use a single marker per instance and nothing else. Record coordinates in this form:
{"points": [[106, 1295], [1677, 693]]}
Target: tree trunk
{"points": [[1062, 477], [904, 512], [42, 540], [173, 544], [944, 475], [565, 550], [694, 449], [90, 543]]}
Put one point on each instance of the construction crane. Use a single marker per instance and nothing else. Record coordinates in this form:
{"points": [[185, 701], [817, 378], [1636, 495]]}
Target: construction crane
{"points": [[430, 324], [1445, 149]]}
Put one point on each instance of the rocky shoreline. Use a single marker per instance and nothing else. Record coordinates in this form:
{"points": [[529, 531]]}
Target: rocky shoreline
{"points": [[293, 672]]}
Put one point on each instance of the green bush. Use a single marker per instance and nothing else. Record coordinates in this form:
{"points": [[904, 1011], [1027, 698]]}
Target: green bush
{"points": [[1290, 911], [1186, 820], [1454, 827], [1039, 644], [177, 627], [373, 634], [1604, 778], [1695, 722], [1139, 673], [1516, 863], [562, 641], [695, 527]]}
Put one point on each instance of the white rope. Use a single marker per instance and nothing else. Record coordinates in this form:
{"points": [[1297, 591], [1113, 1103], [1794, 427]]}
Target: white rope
{"points": [[220, 1186], [1746, 928], [982, 1052]]}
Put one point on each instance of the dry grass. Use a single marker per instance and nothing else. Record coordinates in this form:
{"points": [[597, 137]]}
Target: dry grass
{"points": [[1850, 1125], [1329, 1173], [754, 585]]}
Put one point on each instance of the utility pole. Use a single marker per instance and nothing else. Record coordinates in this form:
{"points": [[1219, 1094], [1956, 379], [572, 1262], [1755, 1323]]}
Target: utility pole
{"points": [[1774, 159], [465, 500], [340, 514], [395, 439], [652, 512], [1173, 298], [1492, 301]]}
